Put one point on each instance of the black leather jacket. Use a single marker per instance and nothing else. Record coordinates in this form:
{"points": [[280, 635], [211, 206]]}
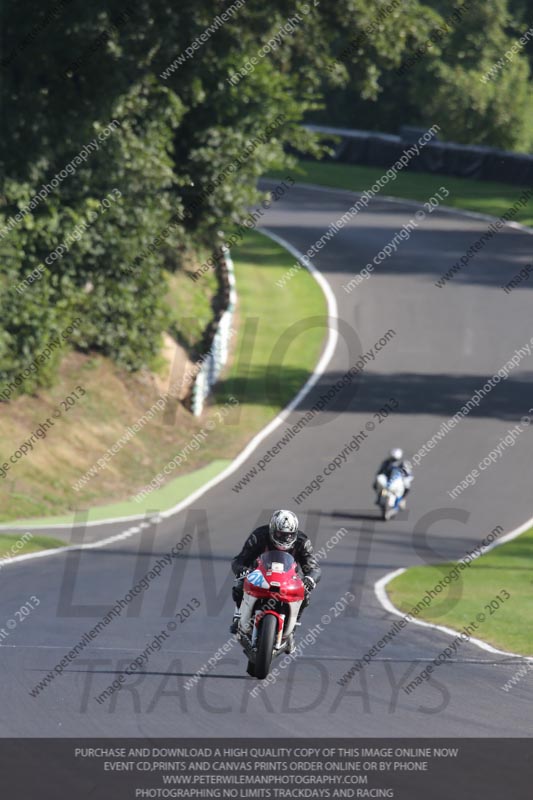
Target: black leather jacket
{"points": [[259, 542], [389, 464]]}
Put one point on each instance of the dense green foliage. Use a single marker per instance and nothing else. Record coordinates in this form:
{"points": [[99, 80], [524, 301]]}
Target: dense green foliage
{"points": [[438, 58], [180, 165]]}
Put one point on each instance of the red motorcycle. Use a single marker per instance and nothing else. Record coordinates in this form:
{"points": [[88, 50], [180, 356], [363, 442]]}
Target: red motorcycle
{"points": [[273, 595]]}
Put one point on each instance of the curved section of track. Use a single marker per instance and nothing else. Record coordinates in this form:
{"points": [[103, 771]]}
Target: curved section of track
{"points": [[446, 343]]}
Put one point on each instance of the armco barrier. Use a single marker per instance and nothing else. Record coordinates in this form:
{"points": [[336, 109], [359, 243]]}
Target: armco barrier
{"points": [[220, 335], [375, 149]]}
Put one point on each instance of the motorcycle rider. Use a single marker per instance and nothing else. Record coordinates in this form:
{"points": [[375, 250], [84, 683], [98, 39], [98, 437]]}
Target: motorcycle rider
{"points": [[282, 533], [396, 460]]}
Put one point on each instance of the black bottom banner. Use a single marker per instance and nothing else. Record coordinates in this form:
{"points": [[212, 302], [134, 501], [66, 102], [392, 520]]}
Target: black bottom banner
{"points": [[405, 769]]}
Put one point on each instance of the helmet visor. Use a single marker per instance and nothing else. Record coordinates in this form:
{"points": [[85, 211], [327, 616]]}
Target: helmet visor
{"points": [[284, 538]]}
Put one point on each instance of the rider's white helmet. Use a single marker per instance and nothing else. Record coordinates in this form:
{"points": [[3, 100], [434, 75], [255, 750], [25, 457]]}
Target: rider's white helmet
{"points": [[283, 529], [396, 454]]}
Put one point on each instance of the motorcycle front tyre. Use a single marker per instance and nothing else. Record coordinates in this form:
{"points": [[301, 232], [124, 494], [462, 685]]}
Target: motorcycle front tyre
{"points": [[267, 638]]}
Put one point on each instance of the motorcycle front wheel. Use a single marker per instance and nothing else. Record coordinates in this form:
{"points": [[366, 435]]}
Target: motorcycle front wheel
{"points": [[267, 637]]}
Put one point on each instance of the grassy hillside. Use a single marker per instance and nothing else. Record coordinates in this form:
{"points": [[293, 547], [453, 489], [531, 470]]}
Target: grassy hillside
{"points": [[41, 482]]}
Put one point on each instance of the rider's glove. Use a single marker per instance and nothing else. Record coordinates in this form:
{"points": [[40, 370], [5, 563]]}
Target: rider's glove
{"points": [[243, 573], [309, 583]]}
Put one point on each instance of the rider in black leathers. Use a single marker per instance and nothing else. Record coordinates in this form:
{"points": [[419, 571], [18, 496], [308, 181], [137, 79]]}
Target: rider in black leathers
{"points": [[282, 533]]}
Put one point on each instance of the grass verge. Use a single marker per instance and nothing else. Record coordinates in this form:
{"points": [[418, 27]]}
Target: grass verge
{"points": [[190, 310], [269, 365], [485, 197], [12, 545], [506, 568]]}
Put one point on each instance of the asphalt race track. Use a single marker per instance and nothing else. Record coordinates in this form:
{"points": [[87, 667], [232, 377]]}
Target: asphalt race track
{"points": [[447, 342]]}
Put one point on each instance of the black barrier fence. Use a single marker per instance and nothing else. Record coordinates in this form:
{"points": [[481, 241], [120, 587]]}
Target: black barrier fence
{"points": [[373, 149], [406, 769]]}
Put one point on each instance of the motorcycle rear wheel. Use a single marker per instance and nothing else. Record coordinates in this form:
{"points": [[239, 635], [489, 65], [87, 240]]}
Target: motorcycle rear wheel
{"points": [[267, 638]]}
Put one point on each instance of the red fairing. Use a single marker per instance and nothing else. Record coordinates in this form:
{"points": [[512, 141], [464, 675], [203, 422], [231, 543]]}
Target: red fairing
{"points": [[255, 591], [291, 588]]}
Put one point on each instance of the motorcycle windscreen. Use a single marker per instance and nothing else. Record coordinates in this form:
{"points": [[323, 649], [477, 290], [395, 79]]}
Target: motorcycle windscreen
{"points": [[277, 561]]}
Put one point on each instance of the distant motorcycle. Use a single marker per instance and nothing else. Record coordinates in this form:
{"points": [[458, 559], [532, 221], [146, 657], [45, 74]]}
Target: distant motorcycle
{"points": [[390, 493], [273, 595]]}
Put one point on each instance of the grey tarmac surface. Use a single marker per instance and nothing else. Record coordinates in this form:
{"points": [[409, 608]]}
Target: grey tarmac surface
{"points": [[447, 342]]}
